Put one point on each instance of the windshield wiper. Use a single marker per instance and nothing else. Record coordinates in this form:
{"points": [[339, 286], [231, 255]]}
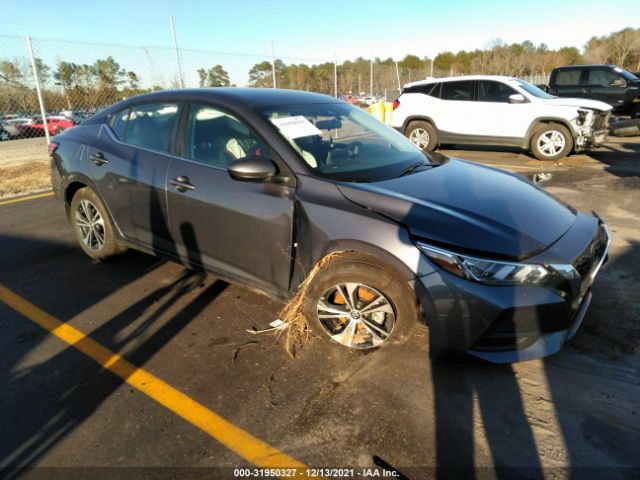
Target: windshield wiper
{"points": [[412, 168]]}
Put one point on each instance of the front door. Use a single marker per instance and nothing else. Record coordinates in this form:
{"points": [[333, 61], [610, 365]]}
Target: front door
{"points": [[240, 228], [600, 86]]}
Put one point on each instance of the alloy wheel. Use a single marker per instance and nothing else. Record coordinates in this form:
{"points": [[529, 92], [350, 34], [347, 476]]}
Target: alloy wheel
{"points": [[90, 225], [356, 315], [551, 143], [420, 138]]}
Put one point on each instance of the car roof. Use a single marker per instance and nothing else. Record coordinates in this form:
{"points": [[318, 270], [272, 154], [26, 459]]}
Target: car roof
{"points": [[249, 97], [461, 77], [569, 67]]}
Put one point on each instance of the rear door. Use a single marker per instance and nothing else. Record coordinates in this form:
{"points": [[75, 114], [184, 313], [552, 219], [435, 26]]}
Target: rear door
{"points": [[129, 165], [236, 227], [567, 82], [454, 112]]}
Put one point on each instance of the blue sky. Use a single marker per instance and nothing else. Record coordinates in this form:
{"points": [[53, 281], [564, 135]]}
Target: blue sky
{"points": [[322, 29]]}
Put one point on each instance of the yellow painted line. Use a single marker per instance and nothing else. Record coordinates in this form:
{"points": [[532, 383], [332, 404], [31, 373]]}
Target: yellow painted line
{"points": [[232, 437], [24, 199]]}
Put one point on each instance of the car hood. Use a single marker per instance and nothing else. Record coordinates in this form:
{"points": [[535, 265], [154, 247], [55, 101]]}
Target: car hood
{"points": [[469, 207], [578, 102]]}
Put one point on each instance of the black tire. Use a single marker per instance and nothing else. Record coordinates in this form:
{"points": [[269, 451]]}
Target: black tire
{"points": [[86, 205], [374, 277], [422, 134], [553, 130], [4, 136], [635, 111]]}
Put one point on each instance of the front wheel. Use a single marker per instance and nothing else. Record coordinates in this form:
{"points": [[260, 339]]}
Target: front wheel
{"points": [[422, 135], [93, 228], [4, 136], [359, 303], [551, 142]]}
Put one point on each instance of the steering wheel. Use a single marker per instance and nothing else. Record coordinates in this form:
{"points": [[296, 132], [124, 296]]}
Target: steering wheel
{"points": [[347, 151], [353, 149]]}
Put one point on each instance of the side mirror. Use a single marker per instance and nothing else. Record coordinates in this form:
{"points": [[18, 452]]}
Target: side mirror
{"points": [[618, 82], [252, 168], [517, 98]]}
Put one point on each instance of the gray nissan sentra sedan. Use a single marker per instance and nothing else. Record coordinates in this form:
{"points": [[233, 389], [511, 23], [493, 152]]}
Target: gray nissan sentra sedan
{"points": [[260, 185]]}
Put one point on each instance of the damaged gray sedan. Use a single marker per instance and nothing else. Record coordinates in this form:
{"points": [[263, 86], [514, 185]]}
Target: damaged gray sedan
{"points": [[259, 186]]}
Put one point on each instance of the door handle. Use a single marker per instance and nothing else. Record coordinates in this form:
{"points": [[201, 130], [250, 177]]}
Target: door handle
{"points": [[98, 158], [182, 184], [587, 90]]}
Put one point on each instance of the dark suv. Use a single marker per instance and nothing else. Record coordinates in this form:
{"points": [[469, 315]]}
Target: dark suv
{"points": [[607, 83], [259, 186]]}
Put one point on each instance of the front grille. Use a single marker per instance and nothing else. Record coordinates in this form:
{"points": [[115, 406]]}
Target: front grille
{"points": [[590, 257]]}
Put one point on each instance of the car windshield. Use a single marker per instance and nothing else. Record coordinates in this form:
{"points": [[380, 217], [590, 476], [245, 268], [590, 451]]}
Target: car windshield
{"points": [[533, 90], [626, 75], [342, 142]]}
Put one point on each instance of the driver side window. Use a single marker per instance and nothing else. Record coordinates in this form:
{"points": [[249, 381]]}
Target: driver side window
{"points": [[601, 77], [216, 138]]}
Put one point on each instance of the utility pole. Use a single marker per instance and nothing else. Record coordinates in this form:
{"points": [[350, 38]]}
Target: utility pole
{"points": [[36, 76], [175, 48], [398, 75], [335, 75], [371, 80], [273, 64]]}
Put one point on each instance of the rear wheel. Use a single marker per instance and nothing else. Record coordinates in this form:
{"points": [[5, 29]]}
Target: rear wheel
{"points": [[93, 228], [551, 141], [422, 134], [4, 136], [359, 303]]}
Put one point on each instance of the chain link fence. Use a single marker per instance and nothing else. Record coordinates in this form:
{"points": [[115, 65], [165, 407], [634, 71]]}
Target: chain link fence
{"points": [[77, 79]]}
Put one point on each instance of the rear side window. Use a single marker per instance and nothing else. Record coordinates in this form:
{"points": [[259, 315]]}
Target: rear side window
{"points": [[431, 89], [568, 77], [150, 126], [489, 91], [118, 124], [457, 90]]}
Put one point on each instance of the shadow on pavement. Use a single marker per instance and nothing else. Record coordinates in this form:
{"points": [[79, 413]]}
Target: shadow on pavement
{"points": [[43, 402]]}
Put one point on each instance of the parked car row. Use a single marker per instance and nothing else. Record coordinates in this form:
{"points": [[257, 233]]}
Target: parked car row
{"points": [[27, 127]]}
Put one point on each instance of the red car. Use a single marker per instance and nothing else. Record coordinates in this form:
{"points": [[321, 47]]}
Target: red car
{"points": [[54, 125]]}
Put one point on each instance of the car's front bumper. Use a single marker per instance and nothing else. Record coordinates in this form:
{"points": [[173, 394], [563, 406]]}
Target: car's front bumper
{"points": [[507, 323]]}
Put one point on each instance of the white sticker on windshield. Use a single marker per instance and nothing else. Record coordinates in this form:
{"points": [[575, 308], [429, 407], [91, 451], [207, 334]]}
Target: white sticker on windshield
{"points": [[295, 127]]}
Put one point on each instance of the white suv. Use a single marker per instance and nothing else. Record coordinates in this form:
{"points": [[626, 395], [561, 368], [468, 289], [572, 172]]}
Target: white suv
{"points": [[495, 110]]}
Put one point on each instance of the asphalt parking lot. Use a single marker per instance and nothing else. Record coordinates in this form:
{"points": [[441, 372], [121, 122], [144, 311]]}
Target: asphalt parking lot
{"points": [[193, 395]]}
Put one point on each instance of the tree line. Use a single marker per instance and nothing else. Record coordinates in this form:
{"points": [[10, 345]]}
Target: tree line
{"points": [[71, 85], [499, 58]]}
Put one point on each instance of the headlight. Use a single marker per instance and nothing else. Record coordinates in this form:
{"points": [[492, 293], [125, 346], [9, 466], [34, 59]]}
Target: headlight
{"points": [[585, 117], [483, 270]]}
